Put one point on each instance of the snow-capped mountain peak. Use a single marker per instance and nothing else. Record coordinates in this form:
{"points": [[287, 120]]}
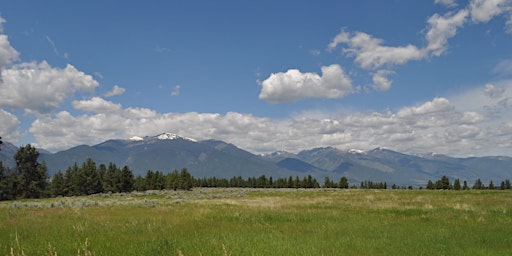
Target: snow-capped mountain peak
{"points": [[356, 151], [172, 136], [136, 138]]}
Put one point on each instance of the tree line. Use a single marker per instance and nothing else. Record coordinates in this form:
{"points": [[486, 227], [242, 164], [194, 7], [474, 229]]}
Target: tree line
{"points": [[444, 183], [29, 179]]}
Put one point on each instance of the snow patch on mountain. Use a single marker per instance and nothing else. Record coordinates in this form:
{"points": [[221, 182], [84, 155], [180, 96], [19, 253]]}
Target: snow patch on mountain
{"points": [[172, 136], [136, 138], [356, 151]]}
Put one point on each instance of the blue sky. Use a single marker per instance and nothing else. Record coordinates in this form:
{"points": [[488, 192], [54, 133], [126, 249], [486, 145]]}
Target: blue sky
{"points": [[412, 76]]}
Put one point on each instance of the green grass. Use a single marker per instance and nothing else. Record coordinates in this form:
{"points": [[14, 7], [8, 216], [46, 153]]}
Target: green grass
{"points": [[262, 222]]}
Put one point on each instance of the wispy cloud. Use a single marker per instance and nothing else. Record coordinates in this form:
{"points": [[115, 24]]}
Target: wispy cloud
{"points": [[55, 49], [159, 49], [117, 90], [176, 90]]}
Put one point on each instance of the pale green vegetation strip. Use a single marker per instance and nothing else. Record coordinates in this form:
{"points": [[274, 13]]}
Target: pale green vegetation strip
{"points": [[261, 222]]}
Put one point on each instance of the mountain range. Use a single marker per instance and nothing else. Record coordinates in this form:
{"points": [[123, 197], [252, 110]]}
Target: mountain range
{"points": [[214, 158]]}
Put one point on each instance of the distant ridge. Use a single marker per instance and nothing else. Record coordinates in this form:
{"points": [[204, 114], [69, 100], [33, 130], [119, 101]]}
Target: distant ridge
{"points": [[213, 158]]}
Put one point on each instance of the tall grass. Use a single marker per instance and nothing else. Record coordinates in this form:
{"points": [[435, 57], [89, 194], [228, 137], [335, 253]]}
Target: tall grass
{"points": [[262, 222]]}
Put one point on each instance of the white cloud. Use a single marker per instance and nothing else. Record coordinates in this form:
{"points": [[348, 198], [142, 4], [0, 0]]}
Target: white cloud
{"points": [[485, 10], [493, 91], [294, 85], [504, 67], [40, 88], [9, 130], [97, 105], [7, 53], [117, 90], [441, 28], [435, 106], [381, 81], [447, 3], [369, 52], [436, 125]]}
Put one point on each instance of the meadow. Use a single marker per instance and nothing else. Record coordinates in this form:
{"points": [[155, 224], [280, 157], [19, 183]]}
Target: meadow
{"points": [[262, 222]]}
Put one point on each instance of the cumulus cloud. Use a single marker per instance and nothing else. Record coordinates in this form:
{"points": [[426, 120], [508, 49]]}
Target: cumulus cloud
{"points": [[7, 53], [436, 125], [381, 81], [294, 85], [10, 126], [97, 105], [40, 88], [117, 90], [485, 10]]}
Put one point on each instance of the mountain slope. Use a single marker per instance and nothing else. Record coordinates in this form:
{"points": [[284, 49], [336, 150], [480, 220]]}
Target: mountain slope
{"points": [[166, 152], [213, 158]]}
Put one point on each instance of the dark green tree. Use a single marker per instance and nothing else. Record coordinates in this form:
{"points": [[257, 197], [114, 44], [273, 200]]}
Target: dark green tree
{"points": [[507, 184], [140, 183], [6, 183], [31, 175], [126, 180], [456, 184], [465, 186], [478, 184], [343, 184], [91, 178], [491, 185], [431, 185], [185, 181], [57, 187], [443, 183]]}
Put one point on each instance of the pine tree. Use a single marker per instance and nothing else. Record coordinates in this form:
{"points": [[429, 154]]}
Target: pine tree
{"points": [[126, 180], [185, 180], [465, 186], [91, 176], [57, 185], [343, 184], [478, 184], [6, 183], [30, 174], [491, 185], [456, 184]]}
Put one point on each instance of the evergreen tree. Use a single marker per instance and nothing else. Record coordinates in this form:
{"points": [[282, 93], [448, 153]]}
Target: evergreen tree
{"points": [[456, 184], [91, 178], [491, 185], [57, 186], [505, 184], [126, 180], [465, 186], [172, 180], [431, 185], [185, 180], [31, 175], [6, 183], [140, 183], [290, 182], [343, 184], [443, 183], [478, 184], [110, 181]]}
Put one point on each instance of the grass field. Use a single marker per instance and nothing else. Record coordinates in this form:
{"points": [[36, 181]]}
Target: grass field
{"points": [[262, 222]]}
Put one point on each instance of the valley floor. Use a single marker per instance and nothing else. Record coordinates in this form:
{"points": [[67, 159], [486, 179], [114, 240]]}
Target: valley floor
{"points": [[262, 222]]}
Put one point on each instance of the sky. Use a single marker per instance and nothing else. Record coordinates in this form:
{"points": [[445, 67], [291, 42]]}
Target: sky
{"points": [[411, 76]]}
